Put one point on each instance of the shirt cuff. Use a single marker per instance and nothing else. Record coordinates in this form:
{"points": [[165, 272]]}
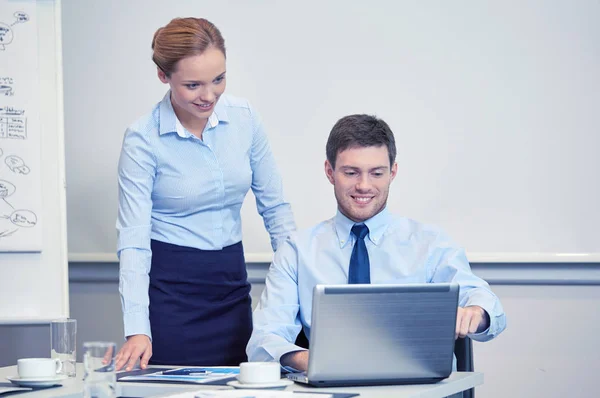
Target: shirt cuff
{"points": [[488, 306], [137, 323], [289, 369], [486, 331]]}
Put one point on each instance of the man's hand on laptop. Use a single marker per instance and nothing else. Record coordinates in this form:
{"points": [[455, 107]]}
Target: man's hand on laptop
{"points": [[471, 319], [296, 359]]}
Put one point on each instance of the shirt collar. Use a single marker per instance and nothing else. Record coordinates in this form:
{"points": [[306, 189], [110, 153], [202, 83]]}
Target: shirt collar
{"points": [[220, 113], [168, 122], [376, 224]]}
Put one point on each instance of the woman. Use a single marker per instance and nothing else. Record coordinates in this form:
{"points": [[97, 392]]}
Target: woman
{"points": [[184, 171]]}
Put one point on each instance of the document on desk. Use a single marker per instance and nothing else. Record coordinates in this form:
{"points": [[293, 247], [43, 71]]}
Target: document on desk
{"points": [[256, 394], [8, 389], [197, 375]]}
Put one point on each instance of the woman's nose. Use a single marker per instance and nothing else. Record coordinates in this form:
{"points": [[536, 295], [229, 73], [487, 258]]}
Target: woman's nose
{"points": [[208, 95]]}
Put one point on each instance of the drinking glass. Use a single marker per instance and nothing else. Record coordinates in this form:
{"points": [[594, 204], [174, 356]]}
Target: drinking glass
{"points": [[99, 379], [63, 336]]}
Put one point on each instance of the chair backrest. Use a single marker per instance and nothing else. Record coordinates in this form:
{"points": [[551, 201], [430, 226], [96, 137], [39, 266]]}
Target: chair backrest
{"points": [[463, 350], [301, 340]]}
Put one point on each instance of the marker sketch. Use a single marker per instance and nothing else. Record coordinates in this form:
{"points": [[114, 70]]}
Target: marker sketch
{"points": [[18, 217], [16, 164], [6, 32], [13, 123], [6, 86], [6, 190], [22, 218]]}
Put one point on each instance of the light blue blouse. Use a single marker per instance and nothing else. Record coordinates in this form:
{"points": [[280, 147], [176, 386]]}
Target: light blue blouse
{"points": [[176, 188]]}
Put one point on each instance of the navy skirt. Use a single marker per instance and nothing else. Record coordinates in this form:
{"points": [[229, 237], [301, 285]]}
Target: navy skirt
{"points": [[200, 306]]}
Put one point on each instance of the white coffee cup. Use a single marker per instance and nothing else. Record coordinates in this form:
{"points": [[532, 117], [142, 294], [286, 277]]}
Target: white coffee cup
{"points": [[259, 372], [30, 368]]}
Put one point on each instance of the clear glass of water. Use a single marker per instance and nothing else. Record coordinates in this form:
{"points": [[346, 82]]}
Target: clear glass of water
{"points": [[63, 341], [99, 379]]}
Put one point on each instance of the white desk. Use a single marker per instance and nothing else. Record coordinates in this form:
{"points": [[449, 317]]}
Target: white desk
{"points": [[73, 387]]}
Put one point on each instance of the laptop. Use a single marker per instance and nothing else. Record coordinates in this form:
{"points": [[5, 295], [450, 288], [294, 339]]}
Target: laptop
{"points": [[381, 334]]}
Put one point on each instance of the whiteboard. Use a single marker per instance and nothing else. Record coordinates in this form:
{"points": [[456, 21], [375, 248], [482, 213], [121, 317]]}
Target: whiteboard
{"points": [[493, 105], [34, 286], [20, 171]]}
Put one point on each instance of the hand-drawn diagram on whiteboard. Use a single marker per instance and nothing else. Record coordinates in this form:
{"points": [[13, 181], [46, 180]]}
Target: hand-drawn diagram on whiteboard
{"points": [[6, 32], [6, 86], [13, 123], [20, 133]]}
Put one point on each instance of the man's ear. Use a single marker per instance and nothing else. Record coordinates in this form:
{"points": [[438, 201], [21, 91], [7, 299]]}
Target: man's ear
{"points": [[162, 75], [394, 171], [329, 171]]}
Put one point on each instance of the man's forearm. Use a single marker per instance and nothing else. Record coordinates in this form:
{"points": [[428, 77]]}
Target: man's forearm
{"points": [[296, 359]]}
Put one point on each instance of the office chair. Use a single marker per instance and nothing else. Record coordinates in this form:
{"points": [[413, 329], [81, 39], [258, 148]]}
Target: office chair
{"points": [[301, 340], [463, 350]]}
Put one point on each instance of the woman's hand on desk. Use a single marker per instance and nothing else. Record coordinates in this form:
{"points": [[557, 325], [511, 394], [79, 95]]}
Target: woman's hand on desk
{"points": [[136, 347]]}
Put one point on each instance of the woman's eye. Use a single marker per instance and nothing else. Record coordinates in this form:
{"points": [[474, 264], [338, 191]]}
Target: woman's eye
{"points": [[219, 79], [192, 86]]}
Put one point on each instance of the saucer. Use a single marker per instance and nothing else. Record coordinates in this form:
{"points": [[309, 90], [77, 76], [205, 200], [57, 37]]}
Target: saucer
{"points": [[281, 384], [37, 381]]}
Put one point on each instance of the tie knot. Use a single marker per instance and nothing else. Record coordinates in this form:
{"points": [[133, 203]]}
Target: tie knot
{"points": [[360, 231]]}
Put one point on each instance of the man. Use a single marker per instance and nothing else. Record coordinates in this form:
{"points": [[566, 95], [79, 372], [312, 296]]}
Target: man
{"points": [[363, 243]]}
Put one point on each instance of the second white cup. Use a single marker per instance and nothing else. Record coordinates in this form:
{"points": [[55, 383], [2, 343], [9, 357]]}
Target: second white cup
{"points": [[259, 372], [31, 368]]}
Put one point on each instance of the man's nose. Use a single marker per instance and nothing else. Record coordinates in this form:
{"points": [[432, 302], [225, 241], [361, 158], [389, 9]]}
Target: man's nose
{"points": [[363, 184]]}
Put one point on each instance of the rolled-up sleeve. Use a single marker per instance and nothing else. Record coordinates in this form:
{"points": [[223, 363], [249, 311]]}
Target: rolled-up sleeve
{"points": [[449, 264], [276, 320], [135, 177], [267, 187]]}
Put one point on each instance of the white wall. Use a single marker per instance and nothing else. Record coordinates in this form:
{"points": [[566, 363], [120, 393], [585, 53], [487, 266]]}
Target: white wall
{"points": [[493, 103], [550, 347]]}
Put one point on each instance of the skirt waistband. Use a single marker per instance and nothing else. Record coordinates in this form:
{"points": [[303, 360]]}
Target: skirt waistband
{"points": [[164, 246]]}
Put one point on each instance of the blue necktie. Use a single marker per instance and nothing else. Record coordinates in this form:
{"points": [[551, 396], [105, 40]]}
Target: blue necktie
{"points": [[359, 271]]}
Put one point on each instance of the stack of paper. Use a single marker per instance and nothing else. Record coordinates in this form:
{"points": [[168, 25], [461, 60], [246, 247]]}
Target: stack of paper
{"points": [[247, 394], [198, 375]]}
